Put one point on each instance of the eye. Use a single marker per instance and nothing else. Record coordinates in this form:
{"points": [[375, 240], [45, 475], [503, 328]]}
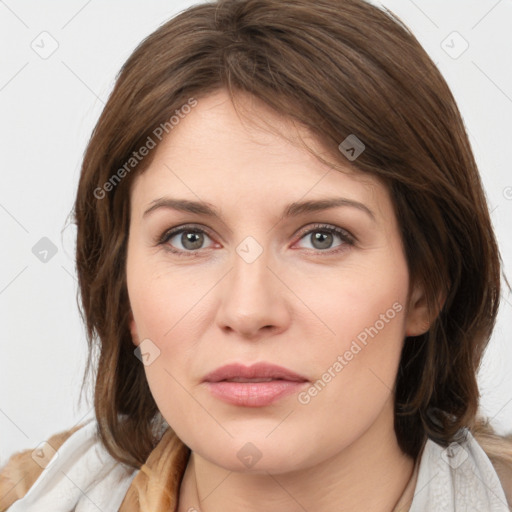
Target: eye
{"points": [[321, 237], [190, 238]]}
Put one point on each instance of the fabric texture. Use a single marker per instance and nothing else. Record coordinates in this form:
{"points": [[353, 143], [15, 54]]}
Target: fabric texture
{"points": [[459, 477], [83, 477], [80, 477]]}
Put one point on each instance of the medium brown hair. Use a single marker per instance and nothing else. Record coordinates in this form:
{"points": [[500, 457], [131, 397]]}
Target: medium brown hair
{"points": [[338, 67]]}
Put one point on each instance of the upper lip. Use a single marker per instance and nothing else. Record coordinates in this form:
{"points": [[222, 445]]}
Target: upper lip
{"points": [[256, 371]]}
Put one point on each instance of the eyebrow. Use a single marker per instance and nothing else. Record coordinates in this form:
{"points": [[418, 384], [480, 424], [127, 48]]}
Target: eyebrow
{"points": [[291, 210]]}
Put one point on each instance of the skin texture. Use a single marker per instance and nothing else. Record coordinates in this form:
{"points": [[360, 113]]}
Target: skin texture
{"points": [[300, 305]]}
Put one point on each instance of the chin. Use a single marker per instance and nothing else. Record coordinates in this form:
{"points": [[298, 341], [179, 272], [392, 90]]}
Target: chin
{"points": [[248, 455]]}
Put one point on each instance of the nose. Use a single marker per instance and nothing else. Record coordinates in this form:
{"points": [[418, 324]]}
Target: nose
{"points": [[253, 298]]}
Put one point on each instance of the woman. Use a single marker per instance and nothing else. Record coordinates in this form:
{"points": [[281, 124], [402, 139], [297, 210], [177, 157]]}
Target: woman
{"points": [[287, 265]]}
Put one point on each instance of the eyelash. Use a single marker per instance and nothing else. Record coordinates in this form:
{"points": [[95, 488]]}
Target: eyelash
{"points": [[344, 235]]}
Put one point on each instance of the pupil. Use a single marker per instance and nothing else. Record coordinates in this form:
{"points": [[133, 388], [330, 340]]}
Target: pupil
{"points": [[324, 239], [189, 238]]}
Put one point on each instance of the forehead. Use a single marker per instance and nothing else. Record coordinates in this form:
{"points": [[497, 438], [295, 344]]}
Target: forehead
{"points": [[251, 154]]}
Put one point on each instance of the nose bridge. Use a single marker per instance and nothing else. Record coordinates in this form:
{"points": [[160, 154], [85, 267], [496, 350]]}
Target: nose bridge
{"points": [[250, 262], [250, 296]]}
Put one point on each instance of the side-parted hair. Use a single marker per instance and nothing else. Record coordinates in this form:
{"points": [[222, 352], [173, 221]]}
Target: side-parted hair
{"points": [[337, 67]]}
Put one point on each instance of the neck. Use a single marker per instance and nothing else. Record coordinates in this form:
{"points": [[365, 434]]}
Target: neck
{"points": [[370, 474]]}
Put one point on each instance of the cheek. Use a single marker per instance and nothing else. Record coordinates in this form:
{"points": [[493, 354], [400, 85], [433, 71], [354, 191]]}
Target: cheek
{"points": [[164, 314], [360, 301], [364, 308], [168, 311], [161, 299]]}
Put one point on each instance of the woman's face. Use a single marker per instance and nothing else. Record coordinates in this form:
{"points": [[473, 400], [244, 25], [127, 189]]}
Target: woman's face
{"points": [[255, 285]]}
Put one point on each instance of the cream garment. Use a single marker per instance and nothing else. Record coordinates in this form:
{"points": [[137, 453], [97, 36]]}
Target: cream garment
{"points": [[80, 477], [458, 478], [83, 477]]}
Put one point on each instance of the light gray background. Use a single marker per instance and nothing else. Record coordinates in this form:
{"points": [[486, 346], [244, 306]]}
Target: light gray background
{"points": [[48, 109]]}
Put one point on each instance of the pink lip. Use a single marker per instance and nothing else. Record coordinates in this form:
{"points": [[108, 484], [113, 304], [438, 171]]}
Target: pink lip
{"points": [[253, 394], [259, 370]]}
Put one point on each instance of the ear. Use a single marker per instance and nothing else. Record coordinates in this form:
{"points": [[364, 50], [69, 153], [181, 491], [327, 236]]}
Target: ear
{"points": [[133, 330], [418, 319]]}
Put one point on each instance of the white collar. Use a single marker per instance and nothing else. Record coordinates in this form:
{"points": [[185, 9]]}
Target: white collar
{"points": [[458, 478], [81, 476]]}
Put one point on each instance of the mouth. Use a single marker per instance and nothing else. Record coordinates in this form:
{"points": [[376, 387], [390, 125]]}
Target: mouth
{"points": [[259, 372], [254, 386], [241, 379]]}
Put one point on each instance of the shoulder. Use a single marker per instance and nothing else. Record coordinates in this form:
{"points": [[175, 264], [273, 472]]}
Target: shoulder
{"points": [[504, 472], [498, 449], [56, 471], [461, 476], [24, 467]]}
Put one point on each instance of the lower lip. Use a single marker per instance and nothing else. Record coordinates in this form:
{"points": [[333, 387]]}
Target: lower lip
{"points": [[253, 394]]}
